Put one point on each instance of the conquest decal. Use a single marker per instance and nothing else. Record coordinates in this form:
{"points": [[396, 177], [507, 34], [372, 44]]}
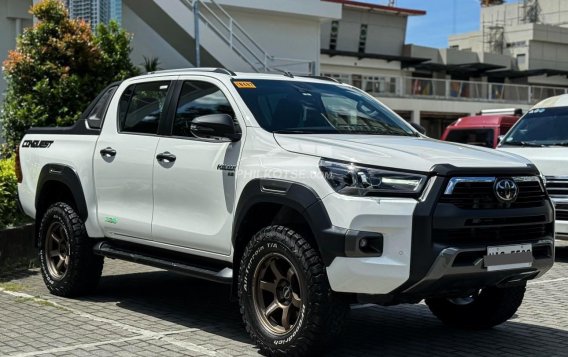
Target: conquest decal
{"points": [[42, 144]]}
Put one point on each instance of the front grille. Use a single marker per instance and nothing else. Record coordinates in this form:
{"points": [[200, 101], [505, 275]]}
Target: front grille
{"points": [[508, 234], [481, 195], [557, 186], [562, 212]]}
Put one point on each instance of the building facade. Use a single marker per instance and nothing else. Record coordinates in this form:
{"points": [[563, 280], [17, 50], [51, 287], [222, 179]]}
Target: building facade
{"points": [[434, 86], [92, 11], [14, 18], [116, 10]]}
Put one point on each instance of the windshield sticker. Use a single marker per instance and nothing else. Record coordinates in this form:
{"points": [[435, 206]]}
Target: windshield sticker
{"points": [[244, 85], [537, 111]]}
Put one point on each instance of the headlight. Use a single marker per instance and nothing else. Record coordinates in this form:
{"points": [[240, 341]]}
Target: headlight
{"points": [[356, 180]]}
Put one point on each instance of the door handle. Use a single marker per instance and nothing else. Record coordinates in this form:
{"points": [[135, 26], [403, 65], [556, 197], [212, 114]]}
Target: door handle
{"points": [[108, 152], [166, 157]]}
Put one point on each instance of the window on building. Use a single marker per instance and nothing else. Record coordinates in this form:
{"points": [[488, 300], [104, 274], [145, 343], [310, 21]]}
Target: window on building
{"points": [[363, 38], [521, 59], [333, 35], [141, 107], [198, 99]]}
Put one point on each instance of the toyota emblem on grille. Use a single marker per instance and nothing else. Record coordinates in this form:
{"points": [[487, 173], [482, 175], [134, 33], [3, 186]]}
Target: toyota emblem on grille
{"points": [[506, 190]]}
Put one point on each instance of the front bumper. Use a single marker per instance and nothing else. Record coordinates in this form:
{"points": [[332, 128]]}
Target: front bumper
{"points": [[423, 255]]}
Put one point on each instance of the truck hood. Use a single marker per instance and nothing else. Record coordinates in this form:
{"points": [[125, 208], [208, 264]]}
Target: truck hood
{"points": [[410, 153], [551, 161]]}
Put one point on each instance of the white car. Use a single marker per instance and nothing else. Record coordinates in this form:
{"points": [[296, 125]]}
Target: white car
{"points": [[542, 137], [305, 194]]}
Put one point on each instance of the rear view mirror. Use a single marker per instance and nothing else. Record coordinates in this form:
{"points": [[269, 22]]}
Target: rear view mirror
{"points": [[215, 126], [418, 128]]}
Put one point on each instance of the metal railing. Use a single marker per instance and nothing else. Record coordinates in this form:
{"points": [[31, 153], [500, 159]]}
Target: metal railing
{"points": [[217, 19], [450, 89]]}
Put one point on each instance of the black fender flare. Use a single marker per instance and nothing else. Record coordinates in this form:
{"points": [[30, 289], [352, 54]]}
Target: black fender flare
{"points": [[67, 176], [303, 199]]}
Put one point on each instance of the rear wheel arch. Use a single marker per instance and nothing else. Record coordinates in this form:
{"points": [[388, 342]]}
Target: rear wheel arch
{"points": [[59, 183]]}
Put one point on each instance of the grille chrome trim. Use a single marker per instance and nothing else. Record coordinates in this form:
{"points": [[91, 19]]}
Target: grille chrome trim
{"points": [[557, 186], [454, 181]]}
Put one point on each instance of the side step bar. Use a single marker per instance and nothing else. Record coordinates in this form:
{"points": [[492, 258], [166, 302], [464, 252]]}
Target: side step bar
{"points": [[107, 249]]}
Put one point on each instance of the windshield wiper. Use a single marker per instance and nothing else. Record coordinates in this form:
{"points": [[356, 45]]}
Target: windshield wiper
{"points": [[563, 143], [523, 143]]}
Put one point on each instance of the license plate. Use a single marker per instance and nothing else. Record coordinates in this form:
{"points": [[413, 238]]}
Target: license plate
{"points": [[508, 257]]}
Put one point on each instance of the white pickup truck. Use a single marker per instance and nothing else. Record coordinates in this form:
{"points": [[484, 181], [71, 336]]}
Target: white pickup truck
{"points": [[542, 137], [305, 194]]}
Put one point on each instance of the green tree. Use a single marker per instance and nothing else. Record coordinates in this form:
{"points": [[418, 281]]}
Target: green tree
{"points": [[59, 65]]}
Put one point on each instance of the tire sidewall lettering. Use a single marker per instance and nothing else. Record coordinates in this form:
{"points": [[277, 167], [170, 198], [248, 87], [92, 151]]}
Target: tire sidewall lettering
{"points": [[258, 253]]}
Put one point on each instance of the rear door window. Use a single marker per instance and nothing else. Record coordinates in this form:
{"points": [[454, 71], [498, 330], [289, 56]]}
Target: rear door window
{"points": [[142, 106]]}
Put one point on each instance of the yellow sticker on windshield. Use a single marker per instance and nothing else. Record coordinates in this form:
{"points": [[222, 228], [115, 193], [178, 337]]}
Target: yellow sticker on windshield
{"points": [[244, 85]]}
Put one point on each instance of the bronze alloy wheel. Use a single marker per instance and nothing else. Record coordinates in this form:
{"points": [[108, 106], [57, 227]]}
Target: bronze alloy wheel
{"points": [[277, 294], [57, 250]]}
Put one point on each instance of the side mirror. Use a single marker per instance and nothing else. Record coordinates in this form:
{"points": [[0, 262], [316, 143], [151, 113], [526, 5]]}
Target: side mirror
{"points": [[215, 126], [418, 128]]}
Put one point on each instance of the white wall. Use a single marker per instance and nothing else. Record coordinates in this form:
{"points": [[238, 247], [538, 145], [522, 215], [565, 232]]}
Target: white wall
{"points": [[14, 16], [385, 32], [146, 42], [296, 37]]}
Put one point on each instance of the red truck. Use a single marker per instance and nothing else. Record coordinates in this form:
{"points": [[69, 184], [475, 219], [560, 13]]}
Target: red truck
{"points": [[483, 129]]}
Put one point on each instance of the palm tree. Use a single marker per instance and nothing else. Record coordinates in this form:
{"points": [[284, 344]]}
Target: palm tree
{"points": [[151, 64]]}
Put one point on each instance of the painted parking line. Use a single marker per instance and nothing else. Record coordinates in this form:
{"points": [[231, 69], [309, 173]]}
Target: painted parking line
{"points": [[142, 333], [547, 281]]}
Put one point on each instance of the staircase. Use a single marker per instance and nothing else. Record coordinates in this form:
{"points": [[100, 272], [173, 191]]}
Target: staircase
{"points": [[223, 41]]}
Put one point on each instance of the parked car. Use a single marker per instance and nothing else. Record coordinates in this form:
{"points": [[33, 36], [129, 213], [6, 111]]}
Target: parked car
{"points": [[484, 129], [304, 194], [542, 137]]}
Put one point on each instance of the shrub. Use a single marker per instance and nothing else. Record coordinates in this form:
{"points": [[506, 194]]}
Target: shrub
{"points": [[59, 65], [10, 214]]}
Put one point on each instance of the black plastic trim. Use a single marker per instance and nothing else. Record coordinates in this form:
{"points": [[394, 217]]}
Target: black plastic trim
{"points": [[330, 239], [160, 258], [424, 249], [67, 176]]}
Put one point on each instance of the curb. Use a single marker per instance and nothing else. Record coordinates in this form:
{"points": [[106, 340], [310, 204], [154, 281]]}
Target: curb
{"points": [[17, 248]]}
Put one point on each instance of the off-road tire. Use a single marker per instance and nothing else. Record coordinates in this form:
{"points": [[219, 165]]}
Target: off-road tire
{"points": [[84, 268], [491, 307], [321, 314]]}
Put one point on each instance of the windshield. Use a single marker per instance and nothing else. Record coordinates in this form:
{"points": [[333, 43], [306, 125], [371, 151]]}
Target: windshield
{"points": [[478, 137], [540, 127], [317, 108]]}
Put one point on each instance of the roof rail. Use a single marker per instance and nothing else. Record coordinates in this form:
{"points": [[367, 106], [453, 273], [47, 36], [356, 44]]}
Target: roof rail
{"points": [[324, 78], [225, 71], [197, 69]]}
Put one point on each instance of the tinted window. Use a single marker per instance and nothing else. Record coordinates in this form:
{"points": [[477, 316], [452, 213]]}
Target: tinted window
{"points": [[479, 137], [305, 107], [543, 126], [198, 99], [97, 114], [141, 107]]}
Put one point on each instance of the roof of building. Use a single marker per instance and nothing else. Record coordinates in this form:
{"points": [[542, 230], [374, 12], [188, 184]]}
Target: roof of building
{"points": [[406, 61], [380, 8]]}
